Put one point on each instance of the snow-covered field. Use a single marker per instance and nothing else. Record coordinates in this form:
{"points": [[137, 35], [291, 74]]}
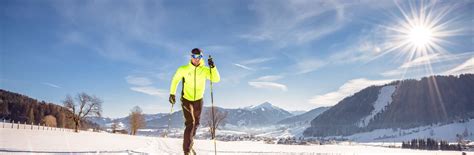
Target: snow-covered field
{"points": [[24, 141], [445, 132], [284, 132]]}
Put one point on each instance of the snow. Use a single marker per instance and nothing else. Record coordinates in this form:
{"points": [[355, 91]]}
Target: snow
{"points": [[445, 132], [148, 130], [262, 107], [384, 98], [25, 140], [120, 125], [285, 132], [90, 142]]}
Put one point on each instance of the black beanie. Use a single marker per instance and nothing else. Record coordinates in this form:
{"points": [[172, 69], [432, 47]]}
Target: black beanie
{"points": [[196, 51]]}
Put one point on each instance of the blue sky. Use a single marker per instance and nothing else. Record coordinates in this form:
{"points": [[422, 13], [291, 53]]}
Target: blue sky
{"points": [[298, 55]]}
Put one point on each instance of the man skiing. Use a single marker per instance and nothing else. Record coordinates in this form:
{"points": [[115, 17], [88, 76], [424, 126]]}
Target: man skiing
{"points": [[193, 76]]}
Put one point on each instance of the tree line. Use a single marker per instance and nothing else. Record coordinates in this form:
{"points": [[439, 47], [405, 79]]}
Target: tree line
{"points": [[430, 144], [74, 112], [20, 108]]}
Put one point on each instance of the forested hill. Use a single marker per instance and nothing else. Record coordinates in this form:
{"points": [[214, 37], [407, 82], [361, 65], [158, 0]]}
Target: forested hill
{"points": [[400, 104], [21, 108]]}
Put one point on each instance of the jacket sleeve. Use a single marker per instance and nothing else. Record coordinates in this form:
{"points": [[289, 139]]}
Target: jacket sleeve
{"points": [[214, 76], [174, 82]]}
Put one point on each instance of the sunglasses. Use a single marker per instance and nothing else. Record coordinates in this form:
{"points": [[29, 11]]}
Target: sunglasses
{"points": [[196, 56]]}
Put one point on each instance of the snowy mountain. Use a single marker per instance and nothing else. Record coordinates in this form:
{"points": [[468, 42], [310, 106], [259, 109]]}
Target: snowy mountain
{"points": [[123, 121], [102, 121], [305, 117], [259, 115], [400, 104], [253, 116]]}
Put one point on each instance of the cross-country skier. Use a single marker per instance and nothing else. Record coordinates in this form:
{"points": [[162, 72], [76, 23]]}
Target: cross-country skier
{"points": [[193, 76]]}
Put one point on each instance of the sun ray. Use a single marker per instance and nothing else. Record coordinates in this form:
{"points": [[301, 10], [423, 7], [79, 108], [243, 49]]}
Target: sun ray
{"points": [[421, 31]]}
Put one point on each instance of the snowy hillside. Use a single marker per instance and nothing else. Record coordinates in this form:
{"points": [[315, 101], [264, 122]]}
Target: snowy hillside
{"points": [[383, 99], [402, 104], [61, 142]]}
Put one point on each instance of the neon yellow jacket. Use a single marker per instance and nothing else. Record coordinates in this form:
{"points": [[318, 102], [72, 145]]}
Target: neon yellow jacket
{"points": [[194, 80]]}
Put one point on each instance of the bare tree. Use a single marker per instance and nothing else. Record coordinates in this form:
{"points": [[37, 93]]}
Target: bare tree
{"points": [[84, 106], [214, 122], [137, 120], [114, 126]]}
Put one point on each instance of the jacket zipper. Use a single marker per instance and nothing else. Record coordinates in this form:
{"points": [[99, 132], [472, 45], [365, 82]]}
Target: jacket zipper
{"points": [[195, 67]]}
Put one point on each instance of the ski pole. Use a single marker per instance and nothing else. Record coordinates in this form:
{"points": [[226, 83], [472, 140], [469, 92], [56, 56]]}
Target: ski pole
{"points": [[212, 111], [169, 121]]}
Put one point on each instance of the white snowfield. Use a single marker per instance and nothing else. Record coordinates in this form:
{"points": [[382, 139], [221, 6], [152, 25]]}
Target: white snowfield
{"points": [[27, 141], [446, 132]]}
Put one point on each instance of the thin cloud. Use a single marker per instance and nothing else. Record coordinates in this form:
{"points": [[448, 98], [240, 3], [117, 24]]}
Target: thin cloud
{"points": [[365, 48], [151, 91], [140, 81], [144, 85], [347, 89], [51, 85], [466, 67], [235, 79], [118, 49], [269, 78], [268, 85], [116, 32], [267, 82], [285, 22], [217, 49], [362, 50], [309, 65], [436, 58], [437, 63], [256, 61], [244, 67], [423, 60]]}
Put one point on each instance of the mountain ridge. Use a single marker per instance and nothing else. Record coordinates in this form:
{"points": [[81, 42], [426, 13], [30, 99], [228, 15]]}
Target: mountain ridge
{"points": [[434, 99]]}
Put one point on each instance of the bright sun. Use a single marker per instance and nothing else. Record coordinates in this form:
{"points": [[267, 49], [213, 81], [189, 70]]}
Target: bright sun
{"points": [[420, 31], [420, 36]]}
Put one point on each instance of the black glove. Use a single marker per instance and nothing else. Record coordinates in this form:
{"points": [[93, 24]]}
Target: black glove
{"points": [[210, 62], [172, 99]]}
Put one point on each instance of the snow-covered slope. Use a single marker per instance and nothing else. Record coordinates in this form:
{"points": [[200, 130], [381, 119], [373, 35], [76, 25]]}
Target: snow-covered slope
{"points": [[383, 100], [61, 142]]}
